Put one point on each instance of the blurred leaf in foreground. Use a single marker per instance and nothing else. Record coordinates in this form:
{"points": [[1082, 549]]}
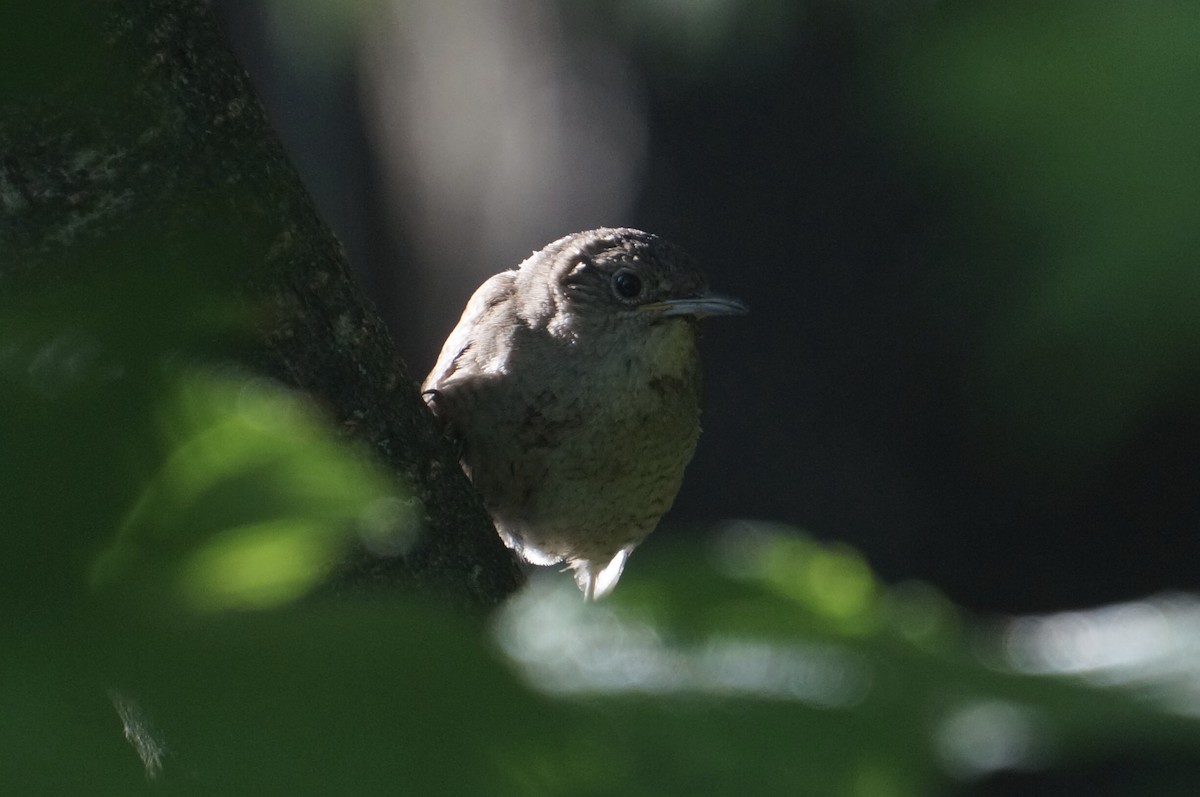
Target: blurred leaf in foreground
{"points": [[254, 502], [789, 654], [776, 665]]}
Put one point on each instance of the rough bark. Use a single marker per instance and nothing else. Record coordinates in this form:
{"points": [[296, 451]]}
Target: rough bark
{"points": [[148, 144]]}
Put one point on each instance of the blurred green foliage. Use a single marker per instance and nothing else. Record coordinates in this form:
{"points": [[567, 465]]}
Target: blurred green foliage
{"points": [[29, 68], [254, 503], [1065, 134], [768, 664]]}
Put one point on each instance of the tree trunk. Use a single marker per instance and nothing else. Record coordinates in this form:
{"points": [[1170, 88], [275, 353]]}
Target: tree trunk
{"points": [[130, 135]]}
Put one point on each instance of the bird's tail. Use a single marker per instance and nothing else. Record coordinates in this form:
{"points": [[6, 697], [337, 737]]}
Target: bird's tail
{"points": [[597, 579]]}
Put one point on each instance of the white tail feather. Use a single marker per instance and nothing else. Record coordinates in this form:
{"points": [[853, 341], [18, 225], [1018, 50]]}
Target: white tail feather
{"points": [[596, 582]]}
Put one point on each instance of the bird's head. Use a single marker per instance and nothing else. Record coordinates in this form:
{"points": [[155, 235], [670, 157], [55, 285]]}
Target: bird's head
{"points": [[617, 278]]}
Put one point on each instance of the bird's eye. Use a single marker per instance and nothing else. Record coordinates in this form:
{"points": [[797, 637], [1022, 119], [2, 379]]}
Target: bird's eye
{"points": [[626, 284]]}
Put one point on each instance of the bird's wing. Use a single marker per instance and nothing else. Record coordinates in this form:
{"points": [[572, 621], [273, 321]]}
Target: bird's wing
{"points": [[466, 345]]}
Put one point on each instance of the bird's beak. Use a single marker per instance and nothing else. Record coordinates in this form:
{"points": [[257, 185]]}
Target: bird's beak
{"points": [[696, 306]]}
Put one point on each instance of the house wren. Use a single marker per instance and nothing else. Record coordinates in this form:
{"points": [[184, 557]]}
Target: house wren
{"points": [[572, 383]]}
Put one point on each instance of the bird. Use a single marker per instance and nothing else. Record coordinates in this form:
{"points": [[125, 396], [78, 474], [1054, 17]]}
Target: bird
{"points": [[571, 385]]}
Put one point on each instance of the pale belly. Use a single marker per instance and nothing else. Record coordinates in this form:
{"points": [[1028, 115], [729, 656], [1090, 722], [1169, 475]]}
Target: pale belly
{"points": [[584, 466]]}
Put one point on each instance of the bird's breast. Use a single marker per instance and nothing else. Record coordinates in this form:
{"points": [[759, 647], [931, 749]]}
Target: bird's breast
{"points": [[591, 454]]}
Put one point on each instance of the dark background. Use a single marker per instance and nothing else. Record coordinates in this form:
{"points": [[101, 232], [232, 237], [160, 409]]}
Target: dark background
{"points": [[967, 233]]}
